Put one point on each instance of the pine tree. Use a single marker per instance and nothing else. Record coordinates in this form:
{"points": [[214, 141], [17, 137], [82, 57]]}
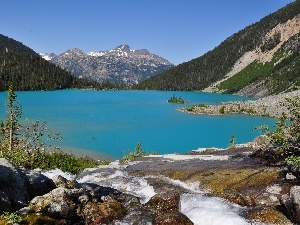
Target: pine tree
{"points": [[13, 113]]}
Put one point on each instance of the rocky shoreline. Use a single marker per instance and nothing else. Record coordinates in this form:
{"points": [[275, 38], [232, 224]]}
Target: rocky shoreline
{"points": [[270, 106]]}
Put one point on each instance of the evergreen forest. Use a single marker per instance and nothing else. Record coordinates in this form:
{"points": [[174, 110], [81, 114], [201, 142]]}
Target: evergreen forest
{"points": [[23, 68], [201, 72]]}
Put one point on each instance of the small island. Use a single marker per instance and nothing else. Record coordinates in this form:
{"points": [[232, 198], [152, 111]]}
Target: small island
{"points": [[177, 100]]}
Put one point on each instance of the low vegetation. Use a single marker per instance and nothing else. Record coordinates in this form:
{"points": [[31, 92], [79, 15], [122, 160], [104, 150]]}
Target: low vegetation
{"points": [[29, 144], [285, 138], [11, 217]]}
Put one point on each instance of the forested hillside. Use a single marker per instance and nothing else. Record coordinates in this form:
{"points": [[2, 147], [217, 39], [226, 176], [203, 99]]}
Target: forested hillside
{"points": [[216, 64], [26, 70]]}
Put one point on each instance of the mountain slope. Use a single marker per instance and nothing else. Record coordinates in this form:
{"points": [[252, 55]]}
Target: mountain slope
{"points": [[26, 70], [259, 41], [121, 65]]}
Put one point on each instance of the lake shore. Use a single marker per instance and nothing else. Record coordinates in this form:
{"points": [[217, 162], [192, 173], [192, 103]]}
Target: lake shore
{"points": [[271, 106]]}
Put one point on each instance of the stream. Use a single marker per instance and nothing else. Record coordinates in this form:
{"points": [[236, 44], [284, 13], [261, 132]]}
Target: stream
{"points": [[194, 203]]}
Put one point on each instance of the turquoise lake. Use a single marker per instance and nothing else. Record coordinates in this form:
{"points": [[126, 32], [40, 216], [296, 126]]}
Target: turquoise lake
{"points": [[109, 123]]}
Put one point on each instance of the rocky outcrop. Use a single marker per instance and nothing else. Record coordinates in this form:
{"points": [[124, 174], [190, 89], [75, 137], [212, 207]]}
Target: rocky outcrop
{"points": [[38, 184], [89, 203], [291, 201], [13, 183], [18, 187]]}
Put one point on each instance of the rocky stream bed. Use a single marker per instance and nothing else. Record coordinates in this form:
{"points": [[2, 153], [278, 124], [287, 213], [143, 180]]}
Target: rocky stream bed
{"points": [[234, 186]]}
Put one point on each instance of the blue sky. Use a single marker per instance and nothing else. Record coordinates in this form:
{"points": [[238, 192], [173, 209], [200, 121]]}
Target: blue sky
{"points": [[177, 30]]}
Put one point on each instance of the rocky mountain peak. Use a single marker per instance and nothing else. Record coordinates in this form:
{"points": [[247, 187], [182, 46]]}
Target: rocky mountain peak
{"points": [[124, 48], [121, 65], [74, 51]]}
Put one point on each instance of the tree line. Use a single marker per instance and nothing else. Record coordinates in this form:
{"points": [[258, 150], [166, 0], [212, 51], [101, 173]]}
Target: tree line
{"points": [[26, 70]]}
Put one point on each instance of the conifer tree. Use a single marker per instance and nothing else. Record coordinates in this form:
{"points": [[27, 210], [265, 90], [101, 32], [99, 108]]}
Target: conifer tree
{"points": [[13, 113]]}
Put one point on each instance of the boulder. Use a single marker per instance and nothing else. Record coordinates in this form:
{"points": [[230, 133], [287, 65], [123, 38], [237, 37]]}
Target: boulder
{"points": [[238, 197], [291, 202], [38, 184], [58, 203], [61, 181], [13, 186], [267, 215], [164, 202], [5, 203], [90, 203], [172, 219], [106, 212]]}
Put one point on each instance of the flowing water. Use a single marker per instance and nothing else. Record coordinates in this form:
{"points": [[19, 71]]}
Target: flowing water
{"points": [[193, 202], [109, 123]]}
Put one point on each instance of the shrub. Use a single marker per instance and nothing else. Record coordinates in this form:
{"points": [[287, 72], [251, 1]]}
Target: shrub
{"points": [[137, 152], [286, 135], [222, 110], [11, 217], [202, 105]]}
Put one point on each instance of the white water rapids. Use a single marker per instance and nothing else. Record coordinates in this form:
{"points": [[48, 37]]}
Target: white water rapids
{"points": [[194, 204]]}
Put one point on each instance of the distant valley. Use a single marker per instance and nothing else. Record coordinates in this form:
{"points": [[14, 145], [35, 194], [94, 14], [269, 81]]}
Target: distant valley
{"points": [[122, 65]]}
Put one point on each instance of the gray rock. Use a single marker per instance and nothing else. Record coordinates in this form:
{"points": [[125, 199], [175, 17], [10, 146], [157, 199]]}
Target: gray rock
{"points": [[295, 197], [58, 202], [38, 184], [5, 203], [292, 203], [290, 177], [13, 183]]}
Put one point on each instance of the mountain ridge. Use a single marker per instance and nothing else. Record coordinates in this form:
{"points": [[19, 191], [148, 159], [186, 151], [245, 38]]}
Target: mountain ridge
{"points": [[221, 68], [284, 31], [121, 65]]}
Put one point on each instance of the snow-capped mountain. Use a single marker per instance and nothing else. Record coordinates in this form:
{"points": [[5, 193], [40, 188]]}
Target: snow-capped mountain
{"points": [[121, 65]]}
